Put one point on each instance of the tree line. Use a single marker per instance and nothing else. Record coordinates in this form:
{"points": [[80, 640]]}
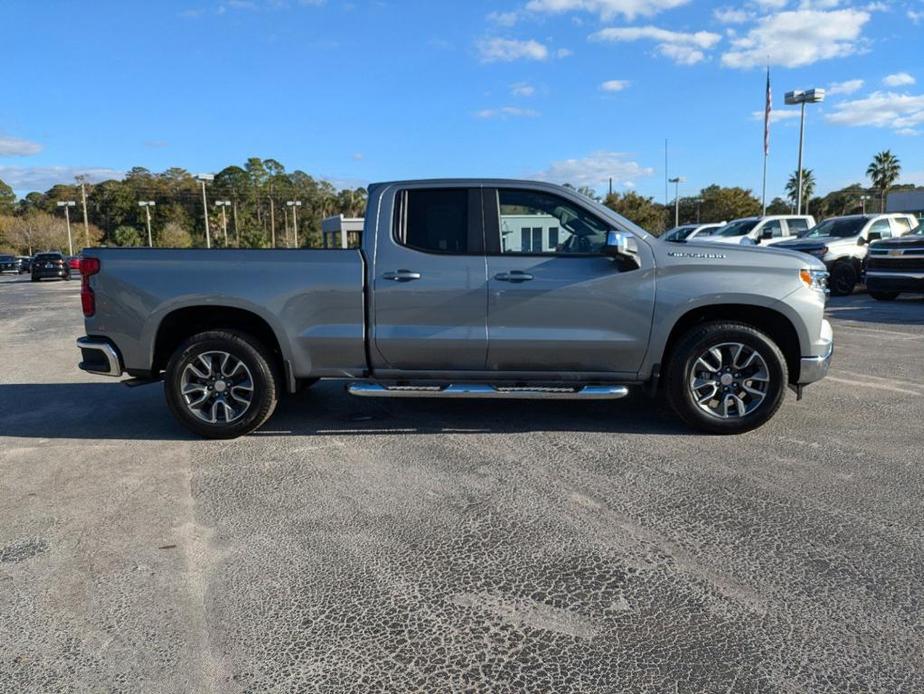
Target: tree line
{"points": [[256, 215]]}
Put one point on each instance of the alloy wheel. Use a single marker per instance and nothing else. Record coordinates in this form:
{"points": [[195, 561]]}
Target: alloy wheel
{"points": [[729, 380], [217, 387]]}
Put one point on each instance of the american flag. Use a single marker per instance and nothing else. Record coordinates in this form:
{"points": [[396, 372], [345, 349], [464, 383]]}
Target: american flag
{"points": [[767, 111]]}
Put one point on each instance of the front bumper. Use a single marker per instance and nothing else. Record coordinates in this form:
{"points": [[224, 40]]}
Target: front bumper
{"points": [[99, 357], [815, 368], [885, 281]]}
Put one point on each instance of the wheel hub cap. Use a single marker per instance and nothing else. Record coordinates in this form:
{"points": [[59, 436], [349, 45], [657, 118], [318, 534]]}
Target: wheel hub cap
{"points": [[729, 380], [217, 387]]}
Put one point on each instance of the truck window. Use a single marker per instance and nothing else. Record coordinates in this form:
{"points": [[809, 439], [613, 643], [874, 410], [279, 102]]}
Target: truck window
{"points": [[537, 223], [438, 220], [797, 227]]}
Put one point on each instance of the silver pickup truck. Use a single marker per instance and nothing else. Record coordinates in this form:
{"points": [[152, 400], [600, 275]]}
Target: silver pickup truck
{"points": [[464, 288]]}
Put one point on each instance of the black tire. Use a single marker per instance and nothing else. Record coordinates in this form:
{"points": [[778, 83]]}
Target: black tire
{"points": [[884, 296], [695, 343], [253, 354], [34, 278], [844, 278]]}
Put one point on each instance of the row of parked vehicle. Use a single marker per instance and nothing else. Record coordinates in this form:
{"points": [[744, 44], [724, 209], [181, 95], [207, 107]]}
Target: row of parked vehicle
{"points": [[41, 265], [884, 250]]}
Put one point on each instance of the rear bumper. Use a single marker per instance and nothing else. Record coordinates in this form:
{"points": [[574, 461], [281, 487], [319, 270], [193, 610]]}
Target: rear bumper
{"points": [[99, 357], [816, 368]]}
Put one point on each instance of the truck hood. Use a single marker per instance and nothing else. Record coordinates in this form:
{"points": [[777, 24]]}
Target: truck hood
{"points": [[909, 241], [816, 242], [697, 252]]}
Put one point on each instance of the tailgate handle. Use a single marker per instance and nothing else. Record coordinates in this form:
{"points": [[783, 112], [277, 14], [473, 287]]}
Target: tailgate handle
{"points": [[513, 276], [402, 276]]}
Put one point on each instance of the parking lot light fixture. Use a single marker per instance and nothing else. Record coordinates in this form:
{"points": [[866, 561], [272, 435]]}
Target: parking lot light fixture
{"points": [[294, 204], [677, 181], [203, 179], [147, 205], [67, 205], [801, 98]]}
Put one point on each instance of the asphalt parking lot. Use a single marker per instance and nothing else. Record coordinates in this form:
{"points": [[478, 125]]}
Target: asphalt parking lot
{"points": [[421, 546]]}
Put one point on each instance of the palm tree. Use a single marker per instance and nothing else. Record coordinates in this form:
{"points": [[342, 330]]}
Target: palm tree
{"points": [[884, 171], [808, 186]]}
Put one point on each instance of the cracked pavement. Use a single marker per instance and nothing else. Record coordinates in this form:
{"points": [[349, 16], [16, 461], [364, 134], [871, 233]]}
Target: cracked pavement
{"points": [[414, 545]]}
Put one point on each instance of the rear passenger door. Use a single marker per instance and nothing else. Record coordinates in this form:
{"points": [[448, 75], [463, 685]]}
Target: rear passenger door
{"points": [[429, 298]]}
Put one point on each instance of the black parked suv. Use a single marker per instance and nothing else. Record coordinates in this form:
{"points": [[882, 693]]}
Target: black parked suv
{"points": [[896, 266], [50, 265], [8, 263]]}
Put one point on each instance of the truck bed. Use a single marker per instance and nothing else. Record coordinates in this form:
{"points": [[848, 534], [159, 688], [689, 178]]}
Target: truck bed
{"points": [[312, 300]]}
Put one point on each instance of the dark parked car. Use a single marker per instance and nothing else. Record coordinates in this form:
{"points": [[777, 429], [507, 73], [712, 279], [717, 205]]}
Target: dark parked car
{"points": [[8, 263], [896, 265], [25, 263], [50, 265]]}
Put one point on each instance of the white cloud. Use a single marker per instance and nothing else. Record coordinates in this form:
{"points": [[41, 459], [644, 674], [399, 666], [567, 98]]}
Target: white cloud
{"points": [[594, 169], [505, 112], [523, 89], [900, 112], [915, 17], [848, 87], [494, 50], [797, 38], [606, 9], [563, 52], [682, 48], [899, 79], [504, 19], [15, 147], [731, 15], [777, 115], [29, 178], [614, 85]]}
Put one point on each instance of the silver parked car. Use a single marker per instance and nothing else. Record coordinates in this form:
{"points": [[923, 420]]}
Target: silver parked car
{"points": [[688, 232]]}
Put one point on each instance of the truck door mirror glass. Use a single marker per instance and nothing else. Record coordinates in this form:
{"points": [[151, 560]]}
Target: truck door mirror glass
{"points": [[766, 233], [874, 236]]}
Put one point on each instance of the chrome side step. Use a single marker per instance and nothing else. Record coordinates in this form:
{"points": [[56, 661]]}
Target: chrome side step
{"points": [[477, 390]]}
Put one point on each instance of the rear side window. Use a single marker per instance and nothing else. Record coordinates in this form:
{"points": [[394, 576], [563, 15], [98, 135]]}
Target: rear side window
{"points": [[438, 220], [797, 226], [902, 224]]}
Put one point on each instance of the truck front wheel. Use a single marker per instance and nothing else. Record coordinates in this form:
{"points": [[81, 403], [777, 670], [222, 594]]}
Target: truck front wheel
{"points": [[726, 378], [221, 384]]}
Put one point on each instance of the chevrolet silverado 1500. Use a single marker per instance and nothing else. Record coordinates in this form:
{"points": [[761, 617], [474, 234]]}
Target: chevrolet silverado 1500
{"points": [[463, 288]]}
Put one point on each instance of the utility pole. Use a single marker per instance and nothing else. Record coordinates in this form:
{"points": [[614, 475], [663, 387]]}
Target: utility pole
{"points": [[202, 178], [67, 205], [147, 205], [677, 181], [223, 204], [272, 220], [237, 229], [86, 223], [294, 204]]}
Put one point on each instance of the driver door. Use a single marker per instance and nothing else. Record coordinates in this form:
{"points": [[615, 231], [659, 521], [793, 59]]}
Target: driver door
{"points": [[555, 302]]}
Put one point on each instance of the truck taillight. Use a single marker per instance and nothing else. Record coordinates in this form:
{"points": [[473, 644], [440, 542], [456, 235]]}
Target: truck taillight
{"points": [[88, 266]]}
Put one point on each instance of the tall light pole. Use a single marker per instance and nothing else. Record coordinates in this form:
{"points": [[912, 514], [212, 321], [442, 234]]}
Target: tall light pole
{"points": [[224, 218], [202, 178], [863, 199], [147, 205], [677, 181], [294, 204], [67, 205], [798, 97], [86, 222], [699, 207]]}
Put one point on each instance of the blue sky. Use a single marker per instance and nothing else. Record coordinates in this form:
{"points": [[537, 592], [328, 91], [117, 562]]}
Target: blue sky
{"points": [[564, 90]]}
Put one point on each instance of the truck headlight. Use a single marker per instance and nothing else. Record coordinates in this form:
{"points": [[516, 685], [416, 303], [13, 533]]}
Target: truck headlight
{"points": [[815, 279]]}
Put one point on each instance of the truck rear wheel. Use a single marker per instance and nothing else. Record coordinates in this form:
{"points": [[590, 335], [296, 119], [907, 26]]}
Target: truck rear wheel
{"points": [[726, 378], [221, 384], [843, 278]]}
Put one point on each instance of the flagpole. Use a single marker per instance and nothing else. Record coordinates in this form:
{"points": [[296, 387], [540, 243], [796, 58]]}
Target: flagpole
{"points": [[767, 109]]}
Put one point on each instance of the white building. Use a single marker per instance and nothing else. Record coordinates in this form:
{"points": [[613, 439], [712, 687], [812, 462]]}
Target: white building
{"points": [[342, 232], [529, 233]]}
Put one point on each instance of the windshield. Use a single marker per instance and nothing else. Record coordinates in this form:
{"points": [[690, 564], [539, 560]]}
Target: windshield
{"points": [[739, 228], [48, 256], [918, 230], [679, 233], [842, 228], [5, 258]]}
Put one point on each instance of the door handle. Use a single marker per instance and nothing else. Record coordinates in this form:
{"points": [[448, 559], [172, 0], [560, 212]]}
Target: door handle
{"points": [[513, 276], [401, 276]]}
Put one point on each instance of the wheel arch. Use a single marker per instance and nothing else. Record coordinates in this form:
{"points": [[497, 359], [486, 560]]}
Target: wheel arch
{"points": [[771, 322], [182, 323]]}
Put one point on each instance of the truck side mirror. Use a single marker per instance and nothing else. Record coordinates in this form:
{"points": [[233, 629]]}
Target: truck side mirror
{"points": [[873, 236], [620, 244], [766, 234]]}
